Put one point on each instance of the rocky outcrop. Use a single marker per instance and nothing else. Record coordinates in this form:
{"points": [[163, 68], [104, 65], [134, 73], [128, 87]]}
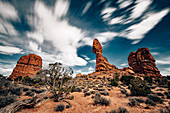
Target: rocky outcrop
{"points": [[129, 70], [27, 65], [101, 62], [143, 62]]}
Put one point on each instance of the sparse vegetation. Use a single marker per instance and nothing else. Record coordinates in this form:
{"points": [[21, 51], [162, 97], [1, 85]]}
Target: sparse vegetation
{"points": [[60, 107], [139, 88], [59, 82], [126, 79]]}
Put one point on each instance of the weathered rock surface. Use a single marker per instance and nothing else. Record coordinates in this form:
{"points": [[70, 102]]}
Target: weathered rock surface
{"points": [[27, 65], [143, 62], [101, 62]]}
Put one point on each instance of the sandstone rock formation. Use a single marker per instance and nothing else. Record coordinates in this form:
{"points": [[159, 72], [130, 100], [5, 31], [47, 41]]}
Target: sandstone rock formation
{"points": [[101, 62], [79, 75], [143, 62], [27, 65], [129, 70]]}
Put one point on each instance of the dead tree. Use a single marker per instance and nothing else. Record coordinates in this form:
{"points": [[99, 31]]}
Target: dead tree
{"points": [[58, 80]]}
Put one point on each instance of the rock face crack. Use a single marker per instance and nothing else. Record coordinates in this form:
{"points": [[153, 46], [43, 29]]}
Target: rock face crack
{"points": [[27, 65]]}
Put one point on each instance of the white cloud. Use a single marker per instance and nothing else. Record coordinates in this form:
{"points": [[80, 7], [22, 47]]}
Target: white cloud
{"points": [[8, 11], [155, 53], [135, 42], [124, 64], [163, 62], [92, 61], [86, 7], [90, 69], [105, 36], [34, 46], [165, 71], [107, 12], [86, 57], [6, 71], [115, 20], [10, 50], [37, 36], [61, 8], [140, 7], [64, 37], [137, 31], [125, 4]]}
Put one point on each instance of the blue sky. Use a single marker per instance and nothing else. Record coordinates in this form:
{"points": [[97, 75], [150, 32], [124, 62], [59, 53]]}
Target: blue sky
{"points": [[64, 30]]}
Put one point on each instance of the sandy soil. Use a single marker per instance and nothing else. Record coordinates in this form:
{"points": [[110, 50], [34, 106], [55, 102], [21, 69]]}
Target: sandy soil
{"points": [[81, 104]]}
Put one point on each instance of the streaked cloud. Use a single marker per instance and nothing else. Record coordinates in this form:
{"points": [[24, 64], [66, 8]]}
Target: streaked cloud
{"points": [[124, 4], [8, 50], [64, 37], [137, 31], [8, 11], [140, 7], [86, 8]]}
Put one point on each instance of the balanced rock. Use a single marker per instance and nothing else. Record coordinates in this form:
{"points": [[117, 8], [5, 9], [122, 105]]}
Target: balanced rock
{"points": [[143, 62], [27, 65], [101, 62]]}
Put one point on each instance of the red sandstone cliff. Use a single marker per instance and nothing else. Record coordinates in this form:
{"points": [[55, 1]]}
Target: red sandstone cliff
{"points": [[27, 65]]}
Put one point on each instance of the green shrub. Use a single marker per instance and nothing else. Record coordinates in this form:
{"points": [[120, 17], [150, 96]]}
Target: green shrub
{"points": [[6, 100], [148, 79], [85, 90], [87, 94], [126, 79], [60, 107], [105, 101], [133, 102], [149, 101], [154, 98], [139, 88], [101, 100], [122, 110], [164, 111], [104, 93], [113, 82]]}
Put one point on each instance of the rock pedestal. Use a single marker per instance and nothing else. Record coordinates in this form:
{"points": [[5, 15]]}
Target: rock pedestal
{"points": [[101, 62]]}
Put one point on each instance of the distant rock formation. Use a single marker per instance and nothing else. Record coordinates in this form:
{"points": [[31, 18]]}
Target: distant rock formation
{"points": [[101, 62], [27, 65], [129, 70], [143, 62]]}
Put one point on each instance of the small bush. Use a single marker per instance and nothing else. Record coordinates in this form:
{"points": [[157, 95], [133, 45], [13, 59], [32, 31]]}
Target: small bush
{"points": [[126, 79], [149, 101], [29, 93], [104, 93], [78, 89], [85, 90], [122, 110], [123, 91], [105, 101], [113, 82], [101, 89], [139, 88], [164, 111], [4, 101], [154, 98], [133, 102], [148, 79], [71, 97], [60, 107], [25, 89], [16, 91], [87, 94]]}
